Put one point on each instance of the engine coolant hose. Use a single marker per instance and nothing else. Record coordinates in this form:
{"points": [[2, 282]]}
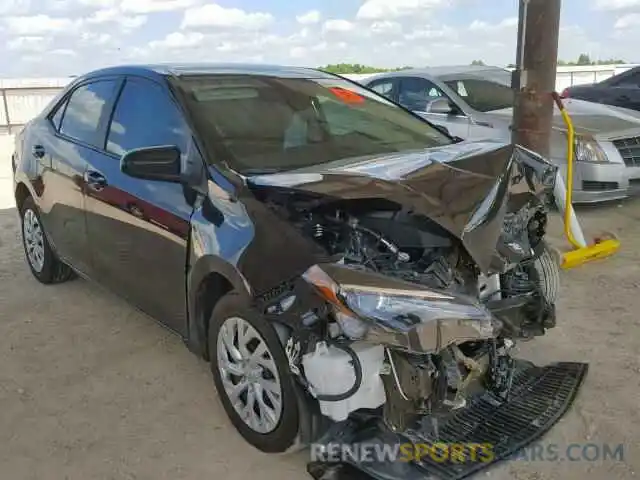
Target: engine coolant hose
{"points": [[357, 369]]}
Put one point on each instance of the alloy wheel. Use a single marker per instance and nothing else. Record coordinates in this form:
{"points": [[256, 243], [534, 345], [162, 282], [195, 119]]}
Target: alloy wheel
{"points": [[249, 375], [33, 240]]}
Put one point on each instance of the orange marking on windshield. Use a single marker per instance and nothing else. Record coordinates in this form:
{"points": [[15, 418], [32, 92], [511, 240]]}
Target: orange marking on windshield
{"points": [[347, 96]]}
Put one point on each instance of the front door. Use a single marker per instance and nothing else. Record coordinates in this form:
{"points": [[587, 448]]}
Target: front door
{"points": [[138, 229], [417, 94]]}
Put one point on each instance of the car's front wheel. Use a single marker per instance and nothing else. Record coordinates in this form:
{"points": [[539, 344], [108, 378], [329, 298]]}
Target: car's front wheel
{"points": [[43, 263], [251, 373]]}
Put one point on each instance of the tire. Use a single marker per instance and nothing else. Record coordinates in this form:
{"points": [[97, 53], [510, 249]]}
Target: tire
{"points": [[547, 268], [43, 262], [280, 432]]}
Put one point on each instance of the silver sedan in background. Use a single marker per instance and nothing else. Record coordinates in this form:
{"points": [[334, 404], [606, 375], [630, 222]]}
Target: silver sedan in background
{"points": [[475, 102]]}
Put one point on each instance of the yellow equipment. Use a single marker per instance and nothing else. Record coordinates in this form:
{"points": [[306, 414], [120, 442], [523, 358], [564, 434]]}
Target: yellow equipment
{"points": [[582, 253]]}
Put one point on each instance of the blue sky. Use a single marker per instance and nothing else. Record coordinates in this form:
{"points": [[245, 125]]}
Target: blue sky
{"points": [[62, 37]]}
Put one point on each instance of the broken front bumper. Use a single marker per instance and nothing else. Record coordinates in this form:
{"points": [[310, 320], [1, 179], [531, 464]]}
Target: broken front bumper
{"points": [[461, 444]]}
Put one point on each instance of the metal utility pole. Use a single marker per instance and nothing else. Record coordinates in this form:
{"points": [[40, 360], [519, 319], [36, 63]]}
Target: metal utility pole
{"points": [[535, 75]]}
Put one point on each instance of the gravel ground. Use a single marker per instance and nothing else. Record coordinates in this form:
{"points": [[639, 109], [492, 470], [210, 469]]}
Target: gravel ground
{"points": [[92, 389]]}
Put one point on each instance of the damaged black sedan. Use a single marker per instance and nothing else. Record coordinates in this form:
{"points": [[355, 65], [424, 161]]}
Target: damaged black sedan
{"points": [[338, 260]]}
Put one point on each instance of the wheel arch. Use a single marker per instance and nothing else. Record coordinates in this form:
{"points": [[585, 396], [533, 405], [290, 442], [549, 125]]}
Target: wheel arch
{"points": [[21, 193], [209, 280]]}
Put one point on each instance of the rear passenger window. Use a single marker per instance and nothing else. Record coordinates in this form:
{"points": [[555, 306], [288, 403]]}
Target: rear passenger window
{"points": [[145, 116], [84, 111]]}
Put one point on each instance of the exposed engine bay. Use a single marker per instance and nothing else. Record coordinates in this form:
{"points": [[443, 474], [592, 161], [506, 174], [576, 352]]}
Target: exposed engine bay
{"points": [[400, 325], [398, 285], [367, 355]]}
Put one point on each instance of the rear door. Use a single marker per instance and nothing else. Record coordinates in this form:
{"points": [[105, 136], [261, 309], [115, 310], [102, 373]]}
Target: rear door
{"points": [[138, 229], [65, 144]]}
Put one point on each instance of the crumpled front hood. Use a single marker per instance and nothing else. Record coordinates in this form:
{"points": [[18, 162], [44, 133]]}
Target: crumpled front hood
{"points": [[467, 188], [588, 118]]}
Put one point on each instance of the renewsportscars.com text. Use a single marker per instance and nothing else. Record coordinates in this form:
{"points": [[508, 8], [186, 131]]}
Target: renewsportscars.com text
{"points": [[465, 452]]}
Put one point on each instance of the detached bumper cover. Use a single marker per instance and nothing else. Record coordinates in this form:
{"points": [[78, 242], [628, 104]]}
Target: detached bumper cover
{"points": [[540, 397]]}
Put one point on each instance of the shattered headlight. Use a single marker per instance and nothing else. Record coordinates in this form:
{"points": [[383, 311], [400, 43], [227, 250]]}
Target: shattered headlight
{"points": [[587, 149], [357, 306]]}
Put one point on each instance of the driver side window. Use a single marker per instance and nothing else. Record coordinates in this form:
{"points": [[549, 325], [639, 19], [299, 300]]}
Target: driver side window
{"points": [[383, 87], [417, 93], [632, 80], [145, 116]]}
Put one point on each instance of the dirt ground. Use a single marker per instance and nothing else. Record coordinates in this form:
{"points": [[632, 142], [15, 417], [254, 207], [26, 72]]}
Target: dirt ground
{"points": [[92, 389]]}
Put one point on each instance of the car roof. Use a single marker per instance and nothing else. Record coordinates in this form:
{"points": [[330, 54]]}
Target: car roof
{"points": [[443, 72], [181, 70], [456, 70]]}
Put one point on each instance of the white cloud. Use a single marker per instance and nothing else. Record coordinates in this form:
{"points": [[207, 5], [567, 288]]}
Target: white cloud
{"points": [[178, 40], [386, 27], [616, 4], [91, 38], [213, 15], [41, 24], [104, 16], [151, 6], [384, 33], [131, 23], [29, 43], [430, 33], [385, 9], [113, 15], [507, 23], [124, 6], [309, 18], [298, 52], [627, 21], [99, 3], [14, 7], [66, 52], [117, 17], [338, 25], [70, 6]]}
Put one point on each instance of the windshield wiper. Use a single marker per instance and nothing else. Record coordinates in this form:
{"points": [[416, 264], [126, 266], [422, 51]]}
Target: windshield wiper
{"points": [[260, 171]]}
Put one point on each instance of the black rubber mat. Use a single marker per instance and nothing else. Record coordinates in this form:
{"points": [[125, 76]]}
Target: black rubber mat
{"points": [[540, 396]]}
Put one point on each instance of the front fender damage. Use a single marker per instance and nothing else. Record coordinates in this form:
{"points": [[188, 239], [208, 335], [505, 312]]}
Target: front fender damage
{"points": [[411, 346]]}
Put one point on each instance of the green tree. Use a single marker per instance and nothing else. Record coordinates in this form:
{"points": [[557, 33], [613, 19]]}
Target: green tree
{"points": [[611, 61], [478, 62], [346, 68], [584, 59]]}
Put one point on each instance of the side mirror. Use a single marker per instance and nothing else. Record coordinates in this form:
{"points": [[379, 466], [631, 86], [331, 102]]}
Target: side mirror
{"points": [[445, 130], [440, 105], [161, 163], [442, 129]]}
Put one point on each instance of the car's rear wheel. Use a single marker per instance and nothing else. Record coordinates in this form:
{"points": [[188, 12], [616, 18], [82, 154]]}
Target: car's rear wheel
{"points": [[251, 374], [42, 261]]}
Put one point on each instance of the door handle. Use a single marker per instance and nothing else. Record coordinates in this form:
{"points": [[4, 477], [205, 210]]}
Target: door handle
{"points": [[136, 211], [95, 180], [38, 151]]}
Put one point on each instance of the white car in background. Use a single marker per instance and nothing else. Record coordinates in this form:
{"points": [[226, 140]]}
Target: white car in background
{"points": [[475, 102]]}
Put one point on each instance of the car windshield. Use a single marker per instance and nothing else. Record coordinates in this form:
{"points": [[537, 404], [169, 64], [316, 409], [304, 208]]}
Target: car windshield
{"points": [[484, 93], [261, 124]]}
